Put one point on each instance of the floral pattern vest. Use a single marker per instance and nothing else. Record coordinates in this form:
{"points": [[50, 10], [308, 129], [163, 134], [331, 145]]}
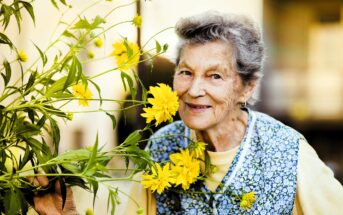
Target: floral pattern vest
{"points": [[265, 163]]}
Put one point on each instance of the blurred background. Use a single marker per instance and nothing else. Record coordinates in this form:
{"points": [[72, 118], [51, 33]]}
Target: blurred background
{"points": [[303, 73]]}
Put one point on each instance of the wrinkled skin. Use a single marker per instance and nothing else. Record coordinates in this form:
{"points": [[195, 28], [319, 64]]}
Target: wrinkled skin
{"points": [[211, 93], [51, 203]]}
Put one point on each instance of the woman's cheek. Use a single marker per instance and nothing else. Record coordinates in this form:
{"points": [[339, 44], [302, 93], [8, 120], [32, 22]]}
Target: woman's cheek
{"points": [[180, 86]]}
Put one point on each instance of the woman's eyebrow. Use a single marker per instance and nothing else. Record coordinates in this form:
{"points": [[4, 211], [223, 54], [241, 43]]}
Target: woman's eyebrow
{"points": [[184, 64], [213, 67]]}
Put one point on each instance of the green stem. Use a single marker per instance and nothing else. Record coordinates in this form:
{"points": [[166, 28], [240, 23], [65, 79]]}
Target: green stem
{"points": [[120, 6], [102, 110], [153, 36], [130, 197]]}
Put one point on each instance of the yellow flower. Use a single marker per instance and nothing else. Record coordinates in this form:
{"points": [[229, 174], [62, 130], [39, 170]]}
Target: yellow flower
{"points": [[126, 54], [98, 42], [198, 149], [137, 21], [82, 92], [164, 104], [182, 158], [22, 56], [186, 169], [247, 200], [159, 179]]}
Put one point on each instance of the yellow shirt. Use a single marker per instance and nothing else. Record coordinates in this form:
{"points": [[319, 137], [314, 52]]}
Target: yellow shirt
{"points": [[318, 192]]}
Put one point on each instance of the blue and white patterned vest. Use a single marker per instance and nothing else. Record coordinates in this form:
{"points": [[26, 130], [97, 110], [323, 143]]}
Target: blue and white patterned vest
{"points": [[265, 163]]}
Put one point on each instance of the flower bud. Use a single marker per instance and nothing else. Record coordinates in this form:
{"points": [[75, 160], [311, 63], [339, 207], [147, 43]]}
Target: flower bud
{"points": [[70, 116], [89, 211], [98, 42], [140, 211], [91, 54]]}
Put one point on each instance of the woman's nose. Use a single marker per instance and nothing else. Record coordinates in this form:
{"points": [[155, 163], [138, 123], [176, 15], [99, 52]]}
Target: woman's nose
{"points": [[197, 88]]}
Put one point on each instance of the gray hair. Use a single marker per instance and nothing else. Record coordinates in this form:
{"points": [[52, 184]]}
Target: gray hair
{"points": [[242, 34]]}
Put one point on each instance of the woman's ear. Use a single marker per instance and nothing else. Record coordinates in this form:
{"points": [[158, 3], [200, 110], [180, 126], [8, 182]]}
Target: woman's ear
{"points": [[249, 89]]}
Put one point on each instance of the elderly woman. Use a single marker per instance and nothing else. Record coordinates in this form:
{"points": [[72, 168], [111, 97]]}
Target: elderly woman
{"points": [[218, 66]]}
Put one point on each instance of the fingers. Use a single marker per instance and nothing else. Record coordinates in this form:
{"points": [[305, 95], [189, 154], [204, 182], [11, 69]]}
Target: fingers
{"points": [[40, 181]]}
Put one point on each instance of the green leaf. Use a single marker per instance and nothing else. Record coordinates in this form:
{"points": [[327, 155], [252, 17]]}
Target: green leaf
{"points": [[25, 129], [128, 48], [29, 9], [30, 82], [53, 2], [158, 46], [74, 73], [68, 34], [74, 155], [98, 89], [41, 122], [76, 181], [7, 13], [15, 202], [63, 190], [27, 157], [83, 23], [129, 81], [71, 167], [55, 134], [95, 186], [63, 2], [5, 40], [42, 55], [57, 86], [41, 150], [133, 138], [97, 21], [165, 47], [91, 161], [113, 119], [141, 159], [17, 14], [8, 72], [31, 114]]}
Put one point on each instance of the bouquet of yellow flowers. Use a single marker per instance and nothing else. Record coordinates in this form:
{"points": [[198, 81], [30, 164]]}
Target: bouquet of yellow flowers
{"points": [[32, 105]]}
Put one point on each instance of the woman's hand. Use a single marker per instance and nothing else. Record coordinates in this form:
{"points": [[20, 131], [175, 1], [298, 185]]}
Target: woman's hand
{"points": [[51, 203]]}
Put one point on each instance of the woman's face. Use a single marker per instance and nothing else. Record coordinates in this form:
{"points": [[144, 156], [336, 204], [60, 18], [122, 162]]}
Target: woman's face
{"points": [[209, 90]]}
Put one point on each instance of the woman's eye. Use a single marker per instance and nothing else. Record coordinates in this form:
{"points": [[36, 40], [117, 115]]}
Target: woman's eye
{"points": [[216, 76], [185, 72]]}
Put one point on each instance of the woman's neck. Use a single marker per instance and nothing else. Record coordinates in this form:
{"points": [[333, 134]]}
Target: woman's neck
{"points": [[223, 138]]}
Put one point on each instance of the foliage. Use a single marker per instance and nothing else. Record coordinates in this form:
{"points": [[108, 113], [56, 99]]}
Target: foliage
{"points": [[32, 107]]}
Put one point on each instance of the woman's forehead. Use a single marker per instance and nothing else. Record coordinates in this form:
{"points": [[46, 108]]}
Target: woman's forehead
{"points": [[213, 55]]}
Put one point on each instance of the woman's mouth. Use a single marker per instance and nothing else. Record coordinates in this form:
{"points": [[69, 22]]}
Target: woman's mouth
{"points": [[198, 107]]}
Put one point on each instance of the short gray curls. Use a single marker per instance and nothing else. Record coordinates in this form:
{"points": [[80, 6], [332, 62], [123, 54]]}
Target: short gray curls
{"points": [[240, 32]]}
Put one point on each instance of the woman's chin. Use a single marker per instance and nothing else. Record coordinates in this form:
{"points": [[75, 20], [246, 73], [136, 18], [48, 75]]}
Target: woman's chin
{"points": [[196, 124]]}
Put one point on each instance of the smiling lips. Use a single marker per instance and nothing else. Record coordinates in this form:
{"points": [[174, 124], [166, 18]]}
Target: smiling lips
{"points": [[197, 107]]}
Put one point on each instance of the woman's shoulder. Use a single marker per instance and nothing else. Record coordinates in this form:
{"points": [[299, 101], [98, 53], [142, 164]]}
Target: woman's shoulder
{"points": [[268, 124], [167, 140]]}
